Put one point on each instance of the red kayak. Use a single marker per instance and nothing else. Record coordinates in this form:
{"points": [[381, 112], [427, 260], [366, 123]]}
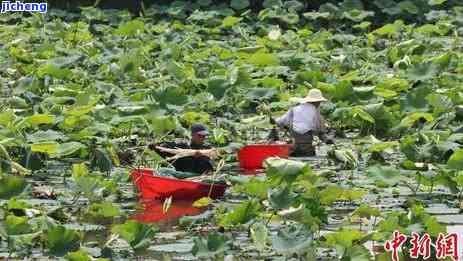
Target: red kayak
{"points": [[251, 157], [152, 187]]}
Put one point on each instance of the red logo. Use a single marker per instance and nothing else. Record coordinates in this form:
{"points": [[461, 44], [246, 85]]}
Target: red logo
{"points": [[445, 246]]}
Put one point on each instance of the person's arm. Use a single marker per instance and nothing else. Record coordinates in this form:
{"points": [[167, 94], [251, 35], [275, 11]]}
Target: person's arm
{"points": [[284, 120], [164, 154]]}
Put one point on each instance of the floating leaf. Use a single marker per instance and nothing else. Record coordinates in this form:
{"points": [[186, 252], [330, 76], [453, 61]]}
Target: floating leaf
{"points": [[38, 119], [285, 170], [456, 160], [202, 202], [241, 214], [211, 246], [264, 59], [60, 240], [385, 176], [138, 235], [46, 147], [292, 240], [239, 4], [131, 28], [281, 198], [11, 186], [230, 21], [259, 236], [436, 2], [16, 225], [104, 210]]}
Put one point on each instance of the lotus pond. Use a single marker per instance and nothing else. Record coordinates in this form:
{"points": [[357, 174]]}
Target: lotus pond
{"points": [[84, 92]]}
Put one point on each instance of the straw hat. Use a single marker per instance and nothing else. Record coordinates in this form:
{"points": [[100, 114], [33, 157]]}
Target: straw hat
{"points": [[315, 95]]}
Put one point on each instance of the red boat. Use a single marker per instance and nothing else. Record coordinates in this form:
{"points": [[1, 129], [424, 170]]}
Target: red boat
{"points": [[251, 157], [152, 187]]}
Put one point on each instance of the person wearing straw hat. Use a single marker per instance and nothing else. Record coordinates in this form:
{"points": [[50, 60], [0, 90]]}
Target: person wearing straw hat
{"points": [[305, 120]]}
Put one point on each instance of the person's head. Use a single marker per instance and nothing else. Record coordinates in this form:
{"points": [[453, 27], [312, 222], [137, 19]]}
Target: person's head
{"points": [[314, 97], [198, 134]]}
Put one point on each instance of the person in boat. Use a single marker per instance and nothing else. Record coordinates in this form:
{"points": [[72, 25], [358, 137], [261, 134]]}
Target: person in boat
{"points": [[197, 162], [304, 121]]}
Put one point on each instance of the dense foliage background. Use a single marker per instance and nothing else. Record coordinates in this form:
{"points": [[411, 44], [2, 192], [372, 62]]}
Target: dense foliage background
{"points": [[84, 90]]}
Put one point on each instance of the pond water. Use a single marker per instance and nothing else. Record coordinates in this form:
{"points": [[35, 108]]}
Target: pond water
{"points": [[180, 222]]}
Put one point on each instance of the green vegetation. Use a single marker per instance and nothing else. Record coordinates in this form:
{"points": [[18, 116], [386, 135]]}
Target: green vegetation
{"points": [[83, 94]]}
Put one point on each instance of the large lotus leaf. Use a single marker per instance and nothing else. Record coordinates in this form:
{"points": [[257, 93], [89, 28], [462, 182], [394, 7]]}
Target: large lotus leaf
{"points": [[332, 193], [270, 82], [456, 160], [11, 186], [279, 170], [38, 119], [259, 236], [45, 147], [358, 253], [60, 240], [44, 136], [131, 28], [91, 187], [385, 176], [394, 84], [192, 117], [441, 103], [104, 210], [7, 117], [68, 148], [271, 3], [66, 61], [177, 70], [342, 91], [53, 71], [316, 15], [411, 119], [422, 72], [383, 146], [82, 255], [344, 238], [264, 59], [390, 29], [357, 15], [129, 62], [408, 6], [138, 235], [347, 157], [211, 246], [281, 197], [241, 214], [218, 86], [170, 95], [80, 110], [162, 124], [415, 99], [239, 4], [292, 240], [358, 112], [230, 21], [16, 225], [261, 93], [253, 187], [101, 159]]}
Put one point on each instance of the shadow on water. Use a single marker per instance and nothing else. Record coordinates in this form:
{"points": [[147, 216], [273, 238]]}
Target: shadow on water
{"points": [[153, 212]]}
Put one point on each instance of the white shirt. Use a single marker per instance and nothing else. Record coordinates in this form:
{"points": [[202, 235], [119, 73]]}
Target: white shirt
{"points": [[304, 117]]}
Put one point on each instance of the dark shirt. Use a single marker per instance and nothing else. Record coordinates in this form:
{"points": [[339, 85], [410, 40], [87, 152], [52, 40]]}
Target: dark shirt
{"points": [[195, 164]]}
